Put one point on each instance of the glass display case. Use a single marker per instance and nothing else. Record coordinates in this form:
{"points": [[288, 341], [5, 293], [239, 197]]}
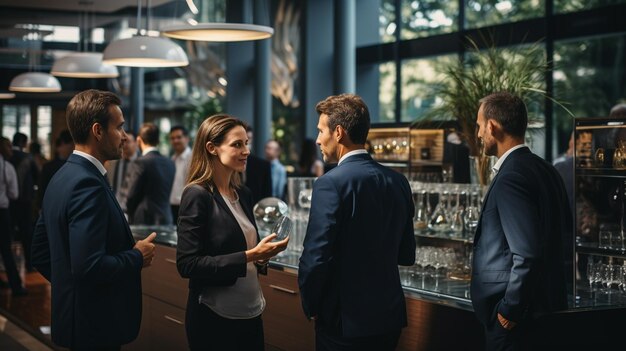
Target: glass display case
{"points": [[416, 153], [599, 167]]}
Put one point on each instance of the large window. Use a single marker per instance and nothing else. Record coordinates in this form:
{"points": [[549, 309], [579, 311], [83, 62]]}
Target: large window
{"points": [[419, 81], [578, 5], [428, 17], [584, 42], [590, 74], [480, 13]]}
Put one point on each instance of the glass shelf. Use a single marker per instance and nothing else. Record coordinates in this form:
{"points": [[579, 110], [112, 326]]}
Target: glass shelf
{"points": [[441, 236]]}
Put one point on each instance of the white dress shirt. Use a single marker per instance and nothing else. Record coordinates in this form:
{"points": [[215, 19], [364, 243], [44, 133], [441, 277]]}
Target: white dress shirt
{"points": [[8, 183], [182, 170]]}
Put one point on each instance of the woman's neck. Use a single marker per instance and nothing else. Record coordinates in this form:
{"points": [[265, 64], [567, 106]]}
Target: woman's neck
{"points": [[222, 179]]}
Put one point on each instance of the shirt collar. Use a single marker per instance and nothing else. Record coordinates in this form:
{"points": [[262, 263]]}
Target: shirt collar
{"points": [[351, 153], [498, 164], [91, 159], [148, 149], [183, 155]]}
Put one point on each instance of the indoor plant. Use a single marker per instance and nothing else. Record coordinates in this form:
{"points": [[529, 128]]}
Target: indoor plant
{"points": [[520, 70]]}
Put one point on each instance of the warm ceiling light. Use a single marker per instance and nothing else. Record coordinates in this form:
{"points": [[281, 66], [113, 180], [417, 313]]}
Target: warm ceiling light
{"points": [[35, 82], [83, 65], [219, 32], [144, 51], [5, 96]]}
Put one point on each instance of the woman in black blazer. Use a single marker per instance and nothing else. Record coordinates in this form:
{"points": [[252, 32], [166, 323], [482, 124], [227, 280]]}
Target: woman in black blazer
{"points": [[219, 248]]}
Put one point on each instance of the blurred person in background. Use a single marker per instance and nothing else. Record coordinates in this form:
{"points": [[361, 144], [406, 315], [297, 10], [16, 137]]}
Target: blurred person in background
{"points": [[8, 191], [279, 174], [34, 149], [309, 164], [149, 196], [179, 140], [219, 249], [64, 146], [258, 173], [121, 172], [21, 208]]}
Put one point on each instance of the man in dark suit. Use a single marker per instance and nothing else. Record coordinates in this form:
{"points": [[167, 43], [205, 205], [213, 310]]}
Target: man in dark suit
{"points": [[360, 229], [82, 243], [149, 197], [258, 175], [518, 270]]}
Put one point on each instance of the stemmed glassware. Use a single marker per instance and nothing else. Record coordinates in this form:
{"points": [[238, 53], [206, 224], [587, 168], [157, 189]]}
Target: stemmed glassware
{"points": [[472, 214]]}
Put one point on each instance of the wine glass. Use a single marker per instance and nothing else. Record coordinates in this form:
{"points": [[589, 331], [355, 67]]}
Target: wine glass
{"points": [[282, 228]]}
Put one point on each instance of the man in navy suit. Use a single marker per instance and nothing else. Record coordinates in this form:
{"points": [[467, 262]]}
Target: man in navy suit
{"points": [[149, 196], [82, 243], [520, 250], [360, 229]]}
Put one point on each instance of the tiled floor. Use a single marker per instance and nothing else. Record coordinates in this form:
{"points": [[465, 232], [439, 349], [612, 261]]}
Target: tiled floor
{"points": [[21, 318]]}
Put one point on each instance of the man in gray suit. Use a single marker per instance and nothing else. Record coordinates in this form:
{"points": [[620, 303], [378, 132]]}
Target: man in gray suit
{"points": [[149, 197], [520, 250]]}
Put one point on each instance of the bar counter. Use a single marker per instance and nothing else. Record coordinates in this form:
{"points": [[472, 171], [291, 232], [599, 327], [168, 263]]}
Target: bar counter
{"points": [[437, 320]]}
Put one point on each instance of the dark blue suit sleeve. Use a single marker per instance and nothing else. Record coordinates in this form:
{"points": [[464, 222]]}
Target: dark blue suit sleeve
{"points": [[40, 255], [406, 251], [521, 223], [318, 244], [88, 229]]}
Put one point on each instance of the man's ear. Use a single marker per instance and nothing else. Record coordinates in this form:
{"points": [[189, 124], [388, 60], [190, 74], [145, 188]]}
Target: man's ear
{"points": [[97, 131], [339, 133]]}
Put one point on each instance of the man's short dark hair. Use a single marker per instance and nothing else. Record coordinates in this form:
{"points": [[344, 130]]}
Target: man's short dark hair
{"points": [[149, 133], [181, 128], [348, 111], [618, 111], [20, 139], [89, 107], [508, 110]]}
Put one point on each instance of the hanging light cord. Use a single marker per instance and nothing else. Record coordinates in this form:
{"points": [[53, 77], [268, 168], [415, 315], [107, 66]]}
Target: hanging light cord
{"points": [[138, 17]]}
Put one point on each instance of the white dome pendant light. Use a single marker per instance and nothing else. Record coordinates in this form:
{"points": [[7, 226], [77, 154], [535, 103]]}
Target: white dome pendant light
{"points": [[145, 51]]}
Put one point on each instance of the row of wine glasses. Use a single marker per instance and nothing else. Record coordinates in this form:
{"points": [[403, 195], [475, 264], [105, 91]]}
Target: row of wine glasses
{"points": [[434, 265], [606, 277], [455, 212]]}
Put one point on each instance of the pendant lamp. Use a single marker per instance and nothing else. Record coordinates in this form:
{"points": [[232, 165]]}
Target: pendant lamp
{"points": [[6, 96], [217, 32], [144, 51], [35, 82], [83, 65]]}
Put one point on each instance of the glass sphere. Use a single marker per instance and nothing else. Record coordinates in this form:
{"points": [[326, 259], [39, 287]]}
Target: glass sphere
{"points": [[267, 212]]}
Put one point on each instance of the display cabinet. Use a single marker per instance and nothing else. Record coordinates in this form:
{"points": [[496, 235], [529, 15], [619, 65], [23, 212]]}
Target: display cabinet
{"points": [[416, 153], [599, 167]]}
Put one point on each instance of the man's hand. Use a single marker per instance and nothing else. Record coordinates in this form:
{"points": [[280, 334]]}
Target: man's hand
{"points": [[146, 247], [505, 323]]}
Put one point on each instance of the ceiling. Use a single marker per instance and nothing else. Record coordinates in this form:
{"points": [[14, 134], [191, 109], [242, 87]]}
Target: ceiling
{"points": [[66, 12]]}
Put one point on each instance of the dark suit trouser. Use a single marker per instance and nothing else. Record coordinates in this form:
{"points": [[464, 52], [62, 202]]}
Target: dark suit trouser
{"points": [[15, 282], [329, 340], [21, 212], [207, 330]]}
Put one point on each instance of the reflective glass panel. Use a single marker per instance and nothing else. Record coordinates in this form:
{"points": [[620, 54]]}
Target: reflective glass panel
{"points": [[589, 76], [428, 17], [561, 6], [481, 13]]}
